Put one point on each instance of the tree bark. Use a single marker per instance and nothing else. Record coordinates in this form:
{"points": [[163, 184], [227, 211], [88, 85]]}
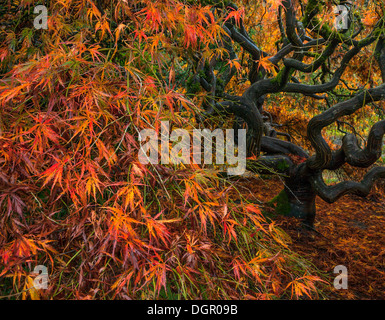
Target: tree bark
{"points": [[297, 199]]}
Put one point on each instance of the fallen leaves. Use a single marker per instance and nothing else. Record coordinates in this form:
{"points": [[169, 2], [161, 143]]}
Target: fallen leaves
{"points": [[349, 233]]}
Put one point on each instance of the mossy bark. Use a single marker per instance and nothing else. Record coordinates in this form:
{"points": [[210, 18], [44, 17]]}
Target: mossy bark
{"points": [[293, 205], [297, 199]]}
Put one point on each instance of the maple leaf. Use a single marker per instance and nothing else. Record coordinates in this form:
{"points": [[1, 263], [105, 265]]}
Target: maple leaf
{"points": [[190, 36], [237, 15], [29, 288], [267, 65]]}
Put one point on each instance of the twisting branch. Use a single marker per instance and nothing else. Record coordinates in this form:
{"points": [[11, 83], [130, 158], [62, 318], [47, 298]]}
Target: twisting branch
{"points": [[323, 152], [379, 54], [363, 158], [307, 68], [331, 194], [291, 24]]}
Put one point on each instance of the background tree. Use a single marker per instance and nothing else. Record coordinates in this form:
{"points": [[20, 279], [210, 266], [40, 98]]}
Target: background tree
{"points": [[309, 44]]}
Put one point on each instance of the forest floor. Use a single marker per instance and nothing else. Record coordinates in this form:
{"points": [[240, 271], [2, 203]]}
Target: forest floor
{"points": [[349, 232]]}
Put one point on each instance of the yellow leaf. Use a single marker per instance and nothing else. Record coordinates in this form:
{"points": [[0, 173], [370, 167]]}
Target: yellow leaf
{"points": [[29, 287]]}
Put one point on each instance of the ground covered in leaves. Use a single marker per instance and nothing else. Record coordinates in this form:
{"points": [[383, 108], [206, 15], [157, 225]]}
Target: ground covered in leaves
{"points": [[348, 232]]}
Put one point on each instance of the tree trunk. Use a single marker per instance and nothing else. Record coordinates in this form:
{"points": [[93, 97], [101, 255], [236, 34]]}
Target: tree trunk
{"points": [[297, 199]]}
